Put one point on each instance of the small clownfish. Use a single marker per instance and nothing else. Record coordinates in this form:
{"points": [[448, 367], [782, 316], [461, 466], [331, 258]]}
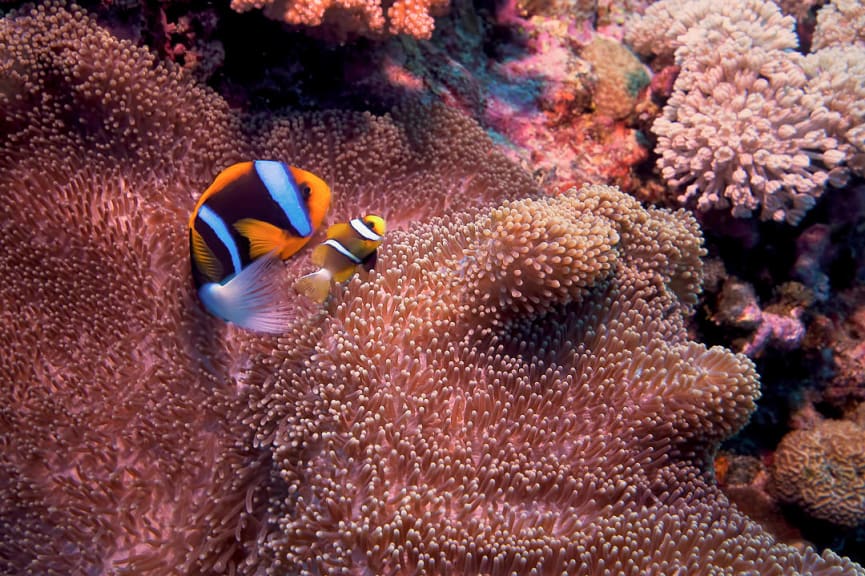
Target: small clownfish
{"points": [[348, 245], [253, 214]]}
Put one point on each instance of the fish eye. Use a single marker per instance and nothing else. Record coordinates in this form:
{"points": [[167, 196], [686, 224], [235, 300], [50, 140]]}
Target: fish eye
{"points": [[370, 224], [305, 191]]}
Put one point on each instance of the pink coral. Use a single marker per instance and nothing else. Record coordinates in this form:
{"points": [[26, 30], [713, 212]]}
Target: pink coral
{"points": [[738, 133], [553, 414], [776, 326], [513, 391], [837, 92], [573, 127], [666, 25], [742, 128], [840, 23], [782, 331]]}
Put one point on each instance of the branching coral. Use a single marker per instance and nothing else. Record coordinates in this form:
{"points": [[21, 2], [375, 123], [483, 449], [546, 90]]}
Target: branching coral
{"points": [[343, 17], [823, 471], [461, 413], [840, 23], [740, 129], [663, 28], [836, 87], [739, 134], [122, 447]]}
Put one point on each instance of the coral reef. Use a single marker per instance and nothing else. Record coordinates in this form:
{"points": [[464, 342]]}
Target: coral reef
{"points": [[823, 470], [667, 26], [621, 77], [122, 443], [567, 105], [840, 23], [344, 18], [513, 390], [777, 326], [741, 130], [835, 81], [517, 385]]}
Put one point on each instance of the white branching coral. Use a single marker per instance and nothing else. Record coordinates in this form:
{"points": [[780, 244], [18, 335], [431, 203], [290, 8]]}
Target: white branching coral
{"points": [[739, 134], [839, 23], [741, 129], [836, 86], [667, 25]]}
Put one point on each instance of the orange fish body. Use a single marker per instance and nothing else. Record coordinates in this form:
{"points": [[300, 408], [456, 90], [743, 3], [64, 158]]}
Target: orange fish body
{"points": [[252, 215]]}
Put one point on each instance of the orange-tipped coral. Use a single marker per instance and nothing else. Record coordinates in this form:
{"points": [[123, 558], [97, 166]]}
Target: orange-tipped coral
{"points": [[343, 18]]}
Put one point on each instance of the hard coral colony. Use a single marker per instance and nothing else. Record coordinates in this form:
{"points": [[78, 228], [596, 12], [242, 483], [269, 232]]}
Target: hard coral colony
{"points": [[512, 389]]}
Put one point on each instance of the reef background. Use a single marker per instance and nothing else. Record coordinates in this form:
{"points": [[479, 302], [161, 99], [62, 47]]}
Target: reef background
{"points": [[466, 105]]}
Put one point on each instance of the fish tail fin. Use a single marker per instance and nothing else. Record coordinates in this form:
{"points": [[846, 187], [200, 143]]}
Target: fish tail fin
{"points": [[250, 299], [316, 285]]}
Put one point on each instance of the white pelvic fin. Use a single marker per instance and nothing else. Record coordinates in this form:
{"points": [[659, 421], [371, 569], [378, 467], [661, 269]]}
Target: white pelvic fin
{"points": [[316, 285], [251, 298]]}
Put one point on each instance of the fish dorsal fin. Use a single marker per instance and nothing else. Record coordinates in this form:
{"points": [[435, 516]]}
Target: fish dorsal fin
{"points": [[339, 230], [263, 237], [204, 258], [251, 299]]}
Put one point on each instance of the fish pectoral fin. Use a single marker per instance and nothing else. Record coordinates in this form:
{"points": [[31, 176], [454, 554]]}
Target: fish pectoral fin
{"points": [[203, 257], [315, 286], [263, 237], [319, 254], [252, 299]]}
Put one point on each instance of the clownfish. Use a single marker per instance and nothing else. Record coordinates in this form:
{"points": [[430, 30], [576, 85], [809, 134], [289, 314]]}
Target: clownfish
{"points": [[250, 217], [348, 246]]}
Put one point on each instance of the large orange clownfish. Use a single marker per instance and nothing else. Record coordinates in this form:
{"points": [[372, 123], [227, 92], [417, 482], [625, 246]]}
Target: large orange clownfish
{"points": [[253, 215]]}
